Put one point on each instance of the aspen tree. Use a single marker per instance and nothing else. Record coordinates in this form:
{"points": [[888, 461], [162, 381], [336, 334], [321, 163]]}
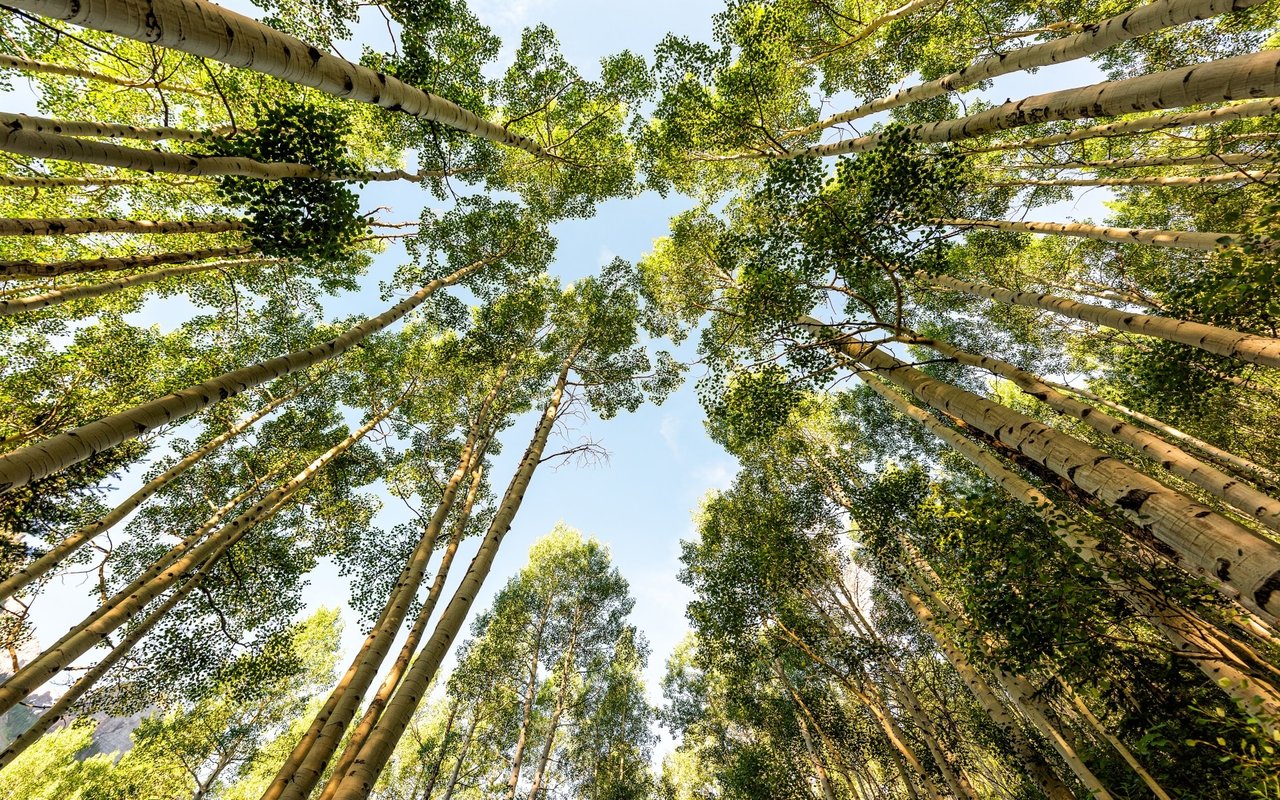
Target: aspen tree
{"points": [[34, 269], [1186, 240], [65, 227], [69, 294]]}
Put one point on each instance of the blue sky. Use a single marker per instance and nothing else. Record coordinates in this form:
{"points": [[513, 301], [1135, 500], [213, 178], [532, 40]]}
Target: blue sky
{"points": [[660, 460]]}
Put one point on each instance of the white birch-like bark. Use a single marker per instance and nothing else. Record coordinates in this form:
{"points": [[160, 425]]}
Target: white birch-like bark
{"points": [[1139, 162], [10, 61], [21, 305], [64, 226], [1183, 240], [204, 29], [1151, 180], [1249, 347], [1248, 76], [37, 269], [359, 781], [64, 449], [1095, 38], [1244, 498], [1147, 124], [102, 130]]}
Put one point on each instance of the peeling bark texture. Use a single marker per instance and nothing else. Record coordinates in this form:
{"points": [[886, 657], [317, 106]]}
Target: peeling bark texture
{"points": [[1246, 499], [1155, 122], [1183, 240], [20, 305], [63, 226], [1241, 77], [359, 781], [36, 269], [1093, 39], [210, 31], [64, 449], [1207, 544], [1221, 341]]}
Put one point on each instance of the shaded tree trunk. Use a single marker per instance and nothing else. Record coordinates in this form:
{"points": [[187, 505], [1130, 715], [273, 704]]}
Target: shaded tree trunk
{"points": [[54, 226], [104, 130], [21, 305], [1185, 240], [44, 68], [1150, 180], [35, 269]]}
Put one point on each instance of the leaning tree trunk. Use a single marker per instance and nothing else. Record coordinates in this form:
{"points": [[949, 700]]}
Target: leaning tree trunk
{"points": [[1095, 38], [553, 727], [1207, 544], [1149, 180], [36, 269], [462, 755], [1191, 637], [1183, 240], [1113, 740], [1247, 76], [1242, 466], [69, 294], [908, 8], [1249, 347], [62, 450], [359, 781], [210, 31], [119, 609], [1204, 160], [34, 182], [1154, 122], [1242, 497], [103, 130], [305, 765], [42, 67], [62, 226], [42, 565], [392, 680]]}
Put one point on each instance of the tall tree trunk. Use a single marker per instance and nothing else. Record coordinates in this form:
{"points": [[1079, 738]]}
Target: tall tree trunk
{"points": [[1247, 76], [1114, 741], [42, 565], [104, 130], [1148, 124], [35, 302], [40, 182], [815, 755], [1207, 544], [462, 755], [430, 788], [117, 610], [526, 708], [1184, 240], [553, 724], [1230, 666], [53, 226], [35, 269], [44, 68], [1150, 180], [305, 765], [1249, 347], [904, 10], [1243, 466], [210, 31], [1243, 497], [1095, 38], [64, 449], [359, 781], [392, 680], [1204, 160]]}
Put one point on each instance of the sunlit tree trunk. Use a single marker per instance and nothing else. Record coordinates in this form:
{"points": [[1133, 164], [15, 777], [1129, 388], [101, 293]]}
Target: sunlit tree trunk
{"points": [[1184, 240], [117, 610], [21, 305], [42, 565], [1243, 497], [1147, 124], [462, 756], [553, 724], [908, 8], [305, 765], [1249, 347], [1246, 566], [1093, 39], [359, 781], [104, 130], [1221, 662], [36, 269], [1149, 180], [34, 182], [1119, 746], [1247, 76], [56, 226], [62, 450], [210, 31], [1205, 160]]}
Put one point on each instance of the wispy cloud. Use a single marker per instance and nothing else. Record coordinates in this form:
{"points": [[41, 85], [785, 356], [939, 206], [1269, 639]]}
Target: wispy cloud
{"points": [[717, 475], [669, 430]]}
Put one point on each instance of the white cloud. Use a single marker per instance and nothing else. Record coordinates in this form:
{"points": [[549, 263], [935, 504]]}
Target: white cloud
{"points": [[669, 430], [718, 475]]}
